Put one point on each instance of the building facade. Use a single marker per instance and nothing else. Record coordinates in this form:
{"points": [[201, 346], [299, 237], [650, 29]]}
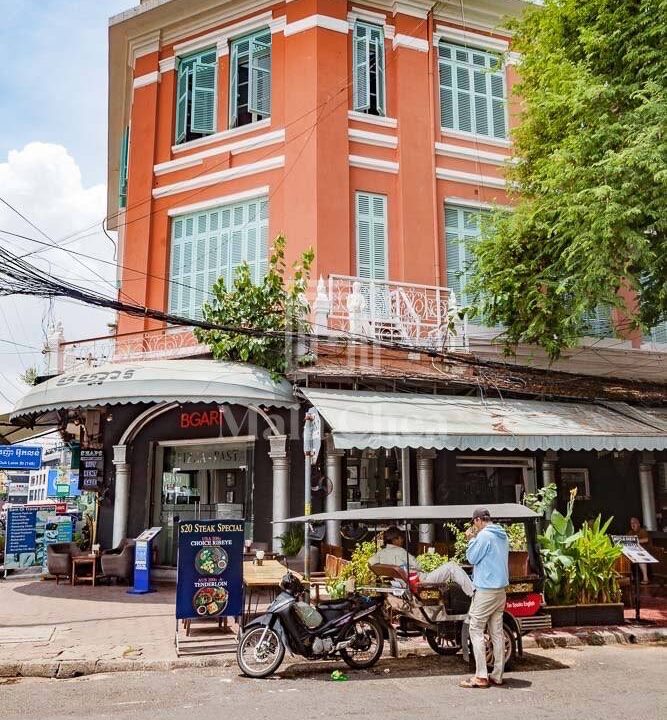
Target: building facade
{"points": [[376, 133]]}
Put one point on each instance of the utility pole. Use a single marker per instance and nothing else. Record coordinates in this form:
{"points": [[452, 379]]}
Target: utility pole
{"points": [[312, 439]]}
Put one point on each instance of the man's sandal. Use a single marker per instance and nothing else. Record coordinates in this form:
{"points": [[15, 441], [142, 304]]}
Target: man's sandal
{"points": [[474, 682], [496, 683]]}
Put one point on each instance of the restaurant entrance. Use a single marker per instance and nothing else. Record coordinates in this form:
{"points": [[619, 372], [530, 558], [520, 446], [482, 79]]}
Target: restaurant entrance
{"points": [[196, 480]]}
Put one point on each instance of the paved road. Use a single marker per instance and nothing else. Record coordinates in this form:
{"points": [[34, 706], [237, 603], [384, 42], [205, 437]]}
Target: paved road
{"points": [[595, 682]]}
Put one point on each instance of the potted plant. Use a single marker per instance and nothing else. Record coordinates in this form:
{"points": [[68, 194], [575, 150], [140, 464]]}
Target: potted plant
{"points": [[580, 581], [292, 542]]}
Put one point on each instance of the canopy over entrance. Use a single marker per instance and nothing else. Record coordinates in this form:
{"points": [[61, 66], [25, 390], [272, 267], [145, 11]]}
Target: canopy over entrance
{"points": [[386, 419], [156, 381], [420, 513]]}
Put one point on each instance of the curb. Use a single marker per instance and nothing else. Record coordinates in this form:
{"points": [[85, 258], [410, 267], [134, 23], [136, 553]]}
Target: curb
{"points": [[64, 669], [565, 638], [579, 637]]}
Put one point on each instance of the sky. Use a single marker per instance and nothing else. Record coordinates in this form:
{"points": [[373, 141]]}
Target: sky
{"points": [[53, 129]]}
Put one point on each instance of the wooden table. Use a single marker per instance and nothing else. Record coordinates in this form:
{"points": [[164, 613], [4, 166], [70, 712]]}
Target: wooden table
{"points": [[258, 578], [79, 562]]}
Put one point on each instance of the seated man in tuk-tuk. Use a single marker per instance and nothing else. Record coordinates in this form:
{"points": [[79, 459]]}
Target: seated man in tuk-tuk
{"points": [[393, 553]]}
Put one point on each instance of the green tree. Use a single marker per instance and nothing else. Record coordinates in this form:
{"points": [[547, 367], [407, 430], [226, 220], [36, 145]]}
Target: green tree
{"points": [[590, 176], [273, 312]]}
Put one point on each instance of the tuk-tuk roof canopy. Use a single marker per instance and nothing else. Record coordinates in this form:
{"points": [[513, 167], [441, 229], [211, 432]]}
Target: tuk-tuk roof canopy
{"points": [[421, 513]]}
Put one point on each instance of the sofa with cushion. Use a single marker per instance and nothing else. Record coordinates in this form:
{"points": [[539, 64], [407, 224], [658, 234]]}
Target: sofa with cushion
{"points": [[119, 561], [59, 559]]}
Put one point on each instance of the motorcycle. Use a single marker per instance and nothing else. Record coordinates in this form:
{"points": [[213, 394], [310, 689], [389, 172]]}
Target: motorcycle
{"points": [[352, 629]]}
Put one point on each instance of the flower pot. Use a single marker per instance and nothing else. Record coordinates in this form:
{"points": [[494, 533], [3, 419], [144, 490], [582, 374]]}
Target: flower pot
{"points": [[581, 615], [602, 614], [562, 615]]}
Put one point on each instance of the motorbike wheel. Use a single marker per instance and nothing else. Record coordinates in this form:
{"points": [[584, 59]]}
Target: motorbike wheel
{"points": [[368, 644], [260, 655], [441, 645]]}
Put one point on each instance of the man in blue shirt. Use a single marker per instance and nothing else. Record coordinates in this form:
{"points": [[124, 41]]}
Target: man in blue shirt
{"points": [[488, 553]]}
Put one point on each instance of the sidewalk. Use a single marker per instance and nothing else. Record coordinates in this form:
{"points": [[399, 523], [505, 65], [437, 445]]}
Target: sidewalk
{"points": [[49, 630]]}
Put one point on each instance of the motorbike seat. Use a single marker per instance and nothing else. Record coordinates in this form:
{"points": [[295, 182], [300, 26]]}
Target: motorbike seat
{"points": [[333, 605]]}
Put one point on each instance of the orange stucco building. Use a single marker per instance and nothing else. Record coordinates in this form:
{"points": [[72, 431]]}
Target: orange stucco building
{"points": [[374, 133]]}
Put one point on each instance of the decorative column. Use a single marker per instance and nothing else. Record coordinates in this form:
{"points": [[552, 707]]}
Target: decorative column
{"points": [[425, 458], [121, 503], [321, 308], [334, 500], [54, 362], [278, 455], [405, 476], [647, 492]]}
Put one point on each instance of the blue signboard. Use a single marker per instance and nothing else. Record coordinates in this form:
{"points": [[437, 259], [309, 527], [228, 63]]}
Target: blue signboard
{"points": [[143, 552], [51, 482], [20, 457], [21, 530], [209, 583]]}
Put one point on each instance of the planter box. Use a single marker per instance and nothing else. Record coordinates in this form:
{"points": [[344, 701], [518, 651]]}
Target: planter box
{"points": [[575, 615]]}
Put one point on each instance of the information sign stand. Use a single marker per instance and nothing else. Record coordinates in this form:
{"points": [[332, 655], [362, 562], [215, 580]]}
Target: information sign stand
{"points": [[636, 554], [143, 556], [209, 585]]}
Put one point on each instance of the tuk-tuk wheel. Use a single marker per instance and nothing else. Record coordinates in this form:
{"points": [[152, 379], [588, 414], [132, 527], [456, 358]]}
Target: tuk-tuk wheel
{"points": [[440, 644], [510, 650]]}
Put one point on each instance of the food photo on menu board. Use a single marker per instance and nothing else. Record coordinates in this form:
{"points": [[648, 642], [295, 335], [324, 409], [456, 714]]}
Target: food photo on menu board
{"points": [[210, 569]]}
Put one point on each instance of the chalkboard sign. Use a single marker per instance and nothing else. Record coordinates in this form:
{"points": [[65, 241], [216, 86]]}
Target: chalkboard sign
{"points": [[209, 582], [91, 470]]}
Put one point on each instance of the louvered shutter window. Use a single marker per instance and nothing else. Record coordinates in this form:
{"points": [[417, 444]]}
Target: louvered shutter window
{"points": [[122, 168], [657, 334], [472, 91], [368, 69], [250, 81], [598, 323], [208, 245], [196, 95], [462, 230], [260, 74], [371, 211], [203, 98], [361, 82]]}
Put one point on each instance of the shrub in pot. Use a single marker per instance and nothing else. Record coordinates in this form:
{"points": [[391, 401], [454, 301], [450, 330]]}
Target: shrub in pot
{"points": [[579, 569]]}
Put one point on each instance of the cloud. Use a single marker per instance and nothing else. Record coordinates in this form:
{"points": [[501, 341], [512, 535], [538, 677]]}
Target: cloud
{"points": [[43, 182]]}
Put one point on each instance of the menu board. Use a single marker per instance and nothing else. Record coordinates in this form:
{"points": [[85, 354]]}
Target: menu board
{"points": [[91, 470], [632, 549], [209, 583]]}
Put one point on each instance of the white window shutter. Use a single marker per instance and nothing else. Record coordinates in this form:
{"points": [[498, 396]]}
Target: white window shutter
{"points": [[207, 246], [472, 91], [203, 98], [364, 236], [378, 39], [361, 79], [182, 102], [260, 75]]}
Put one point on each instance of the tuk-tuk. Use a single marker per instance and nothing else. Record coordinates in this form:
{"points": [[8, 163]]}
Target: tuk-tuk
{"points": [[440, 612]]}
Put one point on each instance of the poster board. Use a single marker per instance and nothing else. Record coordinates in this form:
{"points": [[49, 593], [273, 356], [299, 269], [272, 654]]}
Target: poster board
{"points": [[30, 528], [209, 581], [633, 550]]}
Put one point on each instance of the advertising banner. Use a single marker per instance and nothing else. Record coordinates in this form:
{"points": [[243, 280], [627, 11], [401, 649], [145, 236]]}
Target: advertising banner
{"points": [[20, 457], [91, 470], [209, 583], [30, 528]]}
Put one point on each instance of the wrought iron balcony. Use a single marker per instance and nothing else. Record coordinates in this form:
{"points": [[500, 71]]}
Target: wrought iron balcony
{"points": [[423, 316]]}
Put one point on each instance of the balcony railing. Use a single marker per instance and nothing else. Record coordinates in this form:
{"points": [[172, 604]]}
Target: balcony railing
{"points": [[161, 344], [423, 316]]}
